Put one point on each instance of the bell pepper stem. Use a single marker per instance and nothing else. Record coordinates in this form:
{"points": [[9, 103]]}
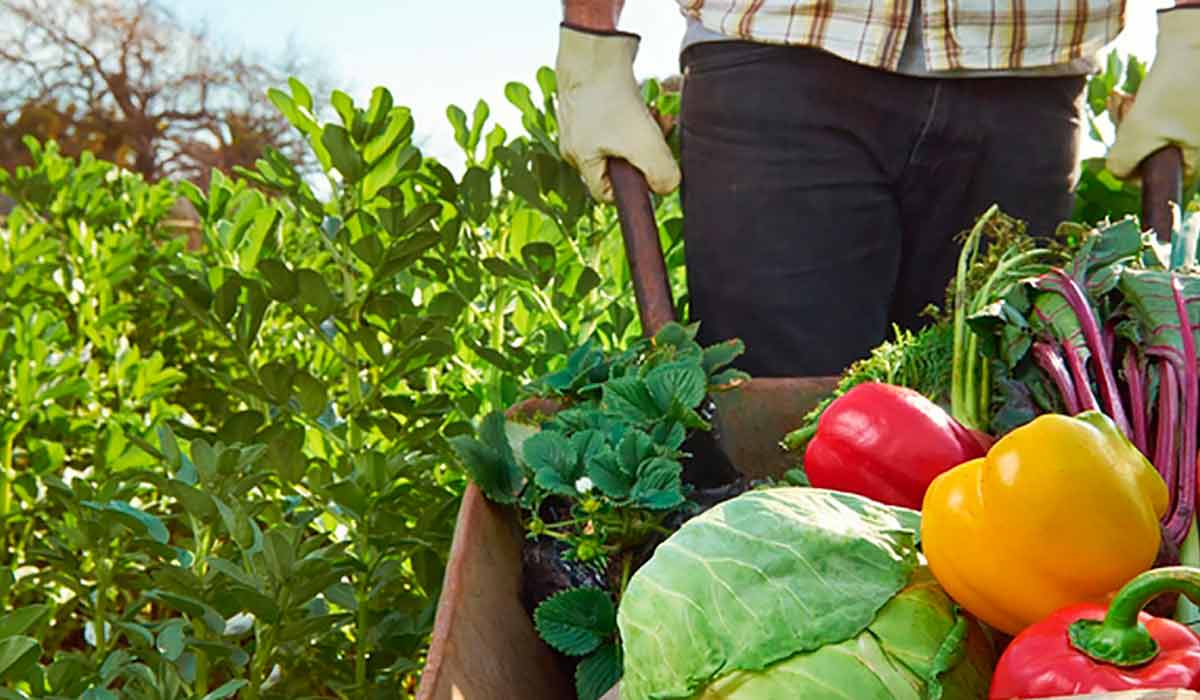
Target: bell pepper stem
{"points": [[1120, 639]]}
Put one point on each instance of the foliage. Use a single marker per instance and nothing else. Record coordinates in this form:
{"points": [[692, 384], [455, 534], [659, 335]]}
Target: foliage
{"points": [[228, 470]]}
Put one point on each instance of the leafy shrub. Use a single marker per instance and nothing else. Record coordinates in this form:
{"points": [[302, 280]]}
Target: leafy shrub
{"points": [[227, 470]]}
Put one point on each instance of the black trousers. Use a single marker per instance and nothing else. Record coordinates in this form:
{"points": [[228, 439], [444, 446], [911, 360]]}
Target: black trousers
{"points": [[822, 199]]}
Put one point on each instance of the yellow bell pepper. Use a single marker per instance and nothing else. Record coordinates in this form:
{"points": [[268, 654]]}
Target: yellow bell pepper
{"points": [[1062, 510]]}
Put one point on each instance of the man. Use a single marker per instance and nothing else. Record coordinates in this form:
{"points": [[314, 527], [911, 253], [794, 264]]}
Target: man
{"points": [[832, 149]]}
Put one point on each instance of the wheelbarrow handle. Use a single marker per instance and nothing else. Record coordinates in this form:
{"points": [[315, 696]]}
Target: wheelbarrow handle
{"points": [[1162, 184], [642, 247]]}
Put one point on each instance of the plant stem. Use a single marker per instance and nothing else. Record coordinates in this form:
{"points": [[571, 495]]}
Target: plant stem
{"points": [[263, 649], [9, 473], [960, 405], [1135, 381], [1120, 639], [201, 536], [363, 618], [100, 611], [497, 344]]}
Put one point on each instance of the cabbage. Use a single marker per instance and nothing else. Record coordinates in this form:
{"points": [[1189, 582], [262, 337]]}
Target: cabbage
{"points": [[796, 592]]}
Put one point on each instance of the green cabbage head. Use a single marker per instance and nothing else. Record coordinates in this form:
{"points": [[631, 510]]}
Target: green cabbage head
{"points": [[797, 593]]}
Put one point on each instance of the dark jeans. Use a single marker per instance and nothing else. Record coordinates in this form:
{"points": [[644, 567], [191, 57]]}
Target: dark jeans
{"points": [[822, 198]]}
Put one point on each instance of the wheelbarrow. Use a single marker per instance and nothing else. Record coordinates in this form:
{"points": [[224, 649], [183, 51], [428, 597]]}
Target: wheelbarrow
{"points": [[484, 645]]}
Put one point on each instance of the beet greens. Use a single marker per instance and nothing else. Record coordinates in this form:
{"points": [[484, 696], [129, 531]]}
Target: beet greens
{"points": [[1111, 327]]}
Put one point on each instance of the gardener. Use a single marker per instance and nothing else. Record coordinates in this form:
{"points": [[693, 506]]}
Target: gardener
{"points": [[832, 149]]}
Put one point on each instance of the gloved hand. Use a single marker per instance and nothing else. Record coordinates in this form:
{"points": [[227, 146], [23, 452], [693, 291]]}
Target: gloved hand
{"points": [[1166, 110], [601, 112]]}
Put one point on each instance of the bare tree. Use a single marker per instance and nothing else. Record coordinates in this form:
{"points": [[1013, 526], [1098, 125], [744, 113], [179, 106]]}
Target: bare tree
{"points": [[125, 79]]}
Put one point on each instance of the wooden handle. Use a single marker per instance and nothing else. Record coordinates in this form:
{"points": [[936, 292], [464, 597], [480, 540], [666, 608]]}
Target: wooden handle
{"points": [[1162, 184], [642, 247]]}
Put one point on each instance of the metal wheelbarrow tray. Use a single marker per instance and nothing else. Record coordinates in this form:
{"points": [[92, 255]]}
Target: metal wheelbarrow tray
{"points": [[484, 645]]}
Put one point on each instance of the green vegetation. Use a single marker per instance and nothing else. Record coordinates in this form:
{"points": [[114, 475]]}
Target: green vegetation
{"points": [[228, 468]]}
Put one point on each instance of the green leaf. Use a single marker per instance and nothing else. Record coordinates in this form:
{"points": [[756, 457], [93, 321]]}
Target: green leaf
{"points": [[717, 356], [277, 549], [380, 107], [605, 470], [676, 384], [287, 106], [305, 630], [539, 258], [350, 496], [233, 571], [588, 280], [138, 635], [369, 249], [311, 394], [478, 119], [630, 398], [225, 305], [384, 172], [135, 519], [658, 485], [300, 93], [282, 284], [344, 105], [554, 462], [458, 120], [170, 639], [228, 689], [576, 621], [598, 672], [489, 460], [22, 620], [399, 120], [399, 222], [344, 155], [18, 654], [502, 268], [314, 291], [197, 503], [476, 192], [188, 605]]}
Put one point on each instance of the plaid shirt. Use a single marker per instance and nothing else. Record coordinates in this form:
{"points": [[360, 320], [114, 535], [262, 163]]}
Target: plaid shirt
{"points": [[959, 34]]}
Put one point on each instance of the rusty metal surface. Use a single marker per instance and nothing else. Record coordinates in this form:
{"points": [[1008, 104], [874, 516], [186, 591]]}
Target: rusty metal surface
{"points": [[754, 418], [642, 246], [484, 646], [1162, 183]]}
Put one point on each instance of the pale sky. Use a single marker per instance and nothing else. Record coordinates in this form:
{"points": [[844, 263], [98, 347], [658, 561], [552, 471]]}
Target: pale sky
{"points": [[432, 54]]}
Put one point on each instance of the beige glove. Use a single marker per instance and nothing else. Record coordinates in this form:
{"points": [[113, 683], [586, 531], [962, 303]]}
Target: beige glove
{"points": [[601, 112], [1166, 110]]}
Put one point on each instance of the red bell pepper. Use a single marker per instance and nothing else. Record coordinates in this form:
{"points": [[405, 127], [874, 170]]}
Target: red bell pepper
{"points": [[1085, 649], [887, 443]]}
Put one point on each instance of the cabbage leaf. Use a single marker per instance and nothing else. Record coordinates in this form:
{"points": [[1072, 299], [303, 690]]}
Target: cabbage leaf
{"points": [[764, 577]]}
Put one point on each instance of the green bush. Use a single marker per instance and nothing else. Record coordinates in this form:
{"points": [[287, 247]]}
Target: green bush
{"points": [[227, 470]]}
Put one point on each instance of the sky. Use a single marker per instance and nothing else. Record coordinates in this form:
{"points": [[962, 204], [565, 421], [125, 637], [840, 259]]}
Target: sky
{"points": [[433, 54]]}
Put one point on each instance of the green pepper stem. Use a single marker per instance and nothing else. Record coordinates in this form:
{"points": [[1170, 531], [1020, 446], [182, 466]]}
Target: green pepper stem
{"points": [[1120, 639]]}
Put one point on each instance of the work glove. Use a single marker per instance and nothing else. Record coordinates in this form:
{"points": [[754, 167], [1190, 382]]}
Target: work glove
{"points": [[1166, 110], [601, 112]]}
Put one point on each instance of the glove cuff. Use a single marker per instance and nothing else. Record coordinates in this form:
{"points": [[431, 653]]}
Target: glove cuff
{"points": [[1179, 28], [599, 32], [586, 55]]}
